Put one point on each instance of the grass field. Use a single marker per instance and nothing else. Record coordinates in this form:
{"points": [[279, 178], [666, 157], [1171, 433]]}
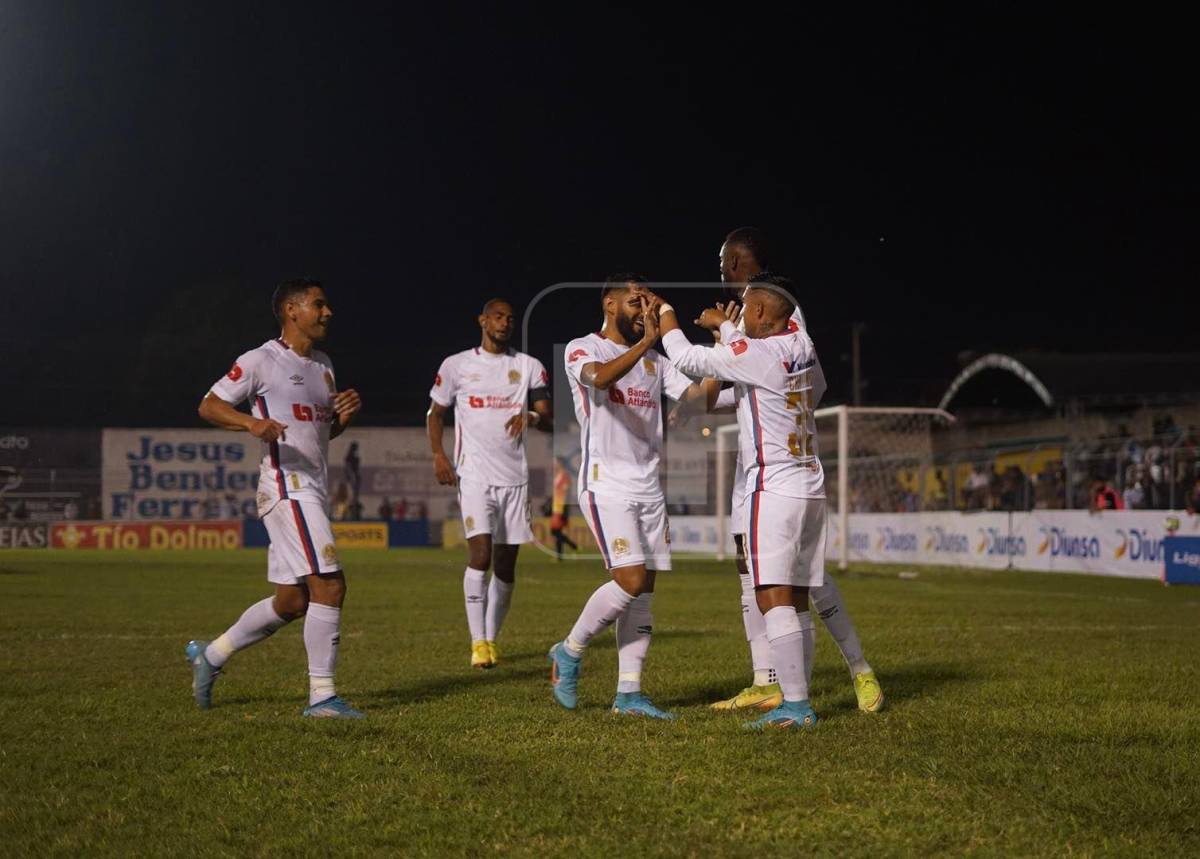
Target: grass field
{"points": [[1027, 714]]}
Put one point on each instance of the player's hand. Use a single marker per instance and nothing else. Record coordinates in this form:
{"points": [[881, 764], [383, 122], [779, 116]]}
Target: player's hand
{"points": [[678, 416], [518, 423], [714, 317], [443, 470], [650, 322], [268, 430], [346, 405]]}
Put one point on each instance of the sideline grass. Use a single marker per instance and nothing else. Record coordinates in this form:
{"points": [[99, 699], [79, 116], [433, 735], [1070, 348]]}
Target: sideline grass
{"points": [[1027, 714]]}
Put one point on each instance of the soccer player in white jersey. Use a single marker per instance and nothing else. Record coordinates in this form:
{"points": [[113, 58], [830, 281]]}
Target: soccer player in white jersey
{"points": [[743, 256], [617, 382], [489, 387], [295, 408], [772, 367]]}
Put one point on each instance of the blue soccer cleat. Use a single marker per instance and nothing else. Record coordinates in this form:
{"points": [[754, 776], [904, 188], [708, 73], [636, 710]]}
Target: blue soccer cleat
{"points": [[564, 675], [789, 714], [203, 674], [332, 708], [637, 704]]}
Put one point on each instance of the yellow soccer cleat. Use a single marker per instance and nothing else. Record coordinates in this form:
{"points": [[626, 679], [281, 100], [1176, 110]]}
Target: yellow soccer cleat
{"points": [[494, 653], [765, 697], [481, 655], [869, 692]]}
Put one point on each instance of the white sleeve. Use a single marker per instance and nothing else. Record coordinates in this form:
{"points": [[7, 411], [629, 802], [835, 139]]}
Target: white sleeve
{"points": [[241, 383], [445, 383], [539, 379], [675, 383], [734, 359], [576, 356], [727, 399]]}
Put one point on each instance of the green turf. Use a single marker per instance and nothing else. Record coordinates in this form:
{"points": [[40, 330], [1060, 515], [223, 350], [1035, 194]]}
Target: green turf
{"points": [[1027, 714]]}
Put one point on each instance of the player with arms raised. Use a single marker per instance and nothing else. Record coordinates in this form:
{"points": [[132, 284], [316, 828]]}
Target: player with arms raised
{"points": [[489, 387], [295, 409], [617, 382], [743, 256], [775, 387]]}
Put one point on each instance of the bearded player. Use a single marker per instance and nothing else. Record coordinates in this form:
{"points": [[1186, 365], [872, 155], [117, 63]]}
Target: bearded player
{"points": [[295, 409], [743, 257], [489, 387], [617, 382]]}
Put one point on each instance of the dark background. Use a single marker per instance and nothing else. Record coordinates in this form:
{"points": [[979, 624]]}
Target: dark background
{"points": [[997, 178]]}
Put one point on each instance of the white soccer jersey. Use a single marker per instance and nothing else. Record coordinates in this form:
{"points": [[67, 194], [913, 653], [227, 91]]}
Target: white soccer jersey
{"points": [[621, 427], [486, 391], [777, 385], [297, 391]]}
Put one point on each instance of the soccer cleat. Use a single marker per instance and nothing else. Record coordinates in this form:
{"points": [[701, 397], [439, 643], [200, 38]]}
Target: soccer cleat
{"points": [[564, 675], [203, 674], [332, 708], [637, 704], [493, 653], [869, 692], [481, 655], [789, 714], [765, 697]]}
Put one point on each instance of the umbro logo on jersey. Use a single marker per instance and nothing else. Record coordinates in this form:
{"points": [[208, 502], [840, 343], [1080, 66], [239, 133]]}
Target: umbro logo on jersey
{"points": [[297, 380]]}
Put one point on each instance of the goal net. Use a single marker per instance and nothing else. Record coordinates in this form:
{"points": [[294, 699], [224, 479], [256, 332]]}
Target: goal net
{"points": [[876, 460]]}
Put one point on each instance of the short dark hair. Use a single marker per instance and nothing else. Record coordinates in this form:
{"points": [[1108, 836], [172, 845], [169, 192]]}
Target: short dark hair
{"points": [[492, 302], [781, 289], [621, 280], [752, 240], [289, 290]]}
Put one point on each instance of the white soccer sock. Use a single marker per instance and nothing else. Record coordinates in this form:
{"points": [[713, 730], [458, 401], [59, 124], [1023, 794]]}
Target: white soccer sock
{"points": [[634, 629], [256, 623], [606, 604], [475, 597], [756, 633], [809, 631], [321, 638], [827, 600], [786, 634], [499, 596]]}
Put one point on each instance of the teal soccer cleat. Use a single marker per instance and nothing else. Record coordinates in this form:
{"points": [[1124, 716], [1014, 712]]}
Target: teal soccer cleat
{"points": [[203, 674], [332, 708], [564, 675], [789, 714], [637, 704]]}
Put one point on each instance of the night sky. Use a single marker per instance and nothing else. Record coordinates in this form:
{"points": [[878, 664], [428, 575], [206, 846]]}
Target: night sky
{"points": [[1000, 179]]}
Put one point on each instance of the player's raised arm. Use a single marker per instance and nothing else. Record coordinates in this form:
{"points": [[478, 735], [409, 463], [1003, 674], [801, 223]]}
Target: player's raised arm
{"points": [[721, 361], [238, 386], [346, 406], [599, 374]]}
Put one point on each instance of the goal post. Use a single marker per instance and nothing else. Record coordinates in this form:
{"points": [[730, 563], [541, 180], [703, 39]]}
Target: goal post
{"points": [[883, 458]]}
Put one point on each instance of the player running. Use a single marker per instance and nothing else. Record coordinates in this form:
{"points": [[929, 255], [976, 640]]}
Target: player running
{"points": [[617, 385], [773, 368], [743, 256], [489, 385], [295, 409]]}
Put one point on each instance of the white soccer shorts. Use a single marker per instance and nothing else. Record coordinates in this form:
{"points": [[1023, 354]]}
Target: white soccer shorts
{"points": [[737, 506], [502, 511], [301, 542], [629, 532], [785, 539]]}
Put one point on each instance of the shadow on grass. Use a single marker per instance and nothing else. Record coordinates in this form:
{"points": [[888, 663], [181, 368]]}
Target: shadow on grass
{"points": [[834, 691]]}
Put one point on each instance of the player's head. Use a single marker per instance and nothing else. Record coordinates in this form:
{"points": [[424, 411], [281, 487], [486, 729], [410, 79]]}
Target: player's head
{"points": [[743, 255], [768, 303], [301, 304], [496, 321], [621, 299]]}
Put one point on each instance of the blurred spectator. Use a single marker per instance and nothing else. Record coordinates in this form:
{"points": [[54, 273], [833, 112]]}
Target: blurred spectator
{"points": [[1192, 502], [978, 489], [402, 509], [5, 510], [1135, 496], [353, 472], [92, 511], [20, 512], [70, 510], [1104, 497], [422, 511], [385, 509], [355, 510]]}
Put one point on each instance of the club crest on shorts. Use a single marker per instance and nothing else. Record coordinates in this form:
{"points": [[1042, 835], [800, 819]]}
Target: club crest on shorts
{"points": [[514, 376], [649, 365], [469, 522], [620, 546], [329, 554]]}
